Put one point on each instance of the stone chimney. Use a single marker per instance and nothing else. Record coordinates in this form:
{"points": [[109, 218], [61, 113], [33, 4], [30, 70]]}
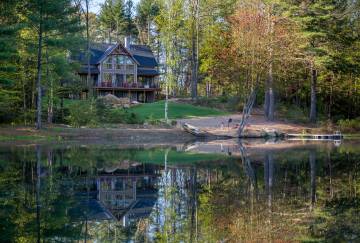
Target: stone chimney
{"points": [[127, 42]]}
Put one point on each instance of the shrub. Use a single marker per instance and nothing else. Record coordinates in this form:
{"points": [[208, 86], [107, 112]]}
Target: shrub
{"points": [[102, 110], [122, 116], [132, 118], [234, 103], [348, 125], [293, 113], [82, 113], [230, 103], [153, 121]]}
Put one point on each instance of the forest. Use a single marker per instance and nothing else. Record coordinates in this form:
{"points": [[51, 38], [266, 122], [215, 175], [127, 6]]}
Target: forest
{"points": [[301, 57]]}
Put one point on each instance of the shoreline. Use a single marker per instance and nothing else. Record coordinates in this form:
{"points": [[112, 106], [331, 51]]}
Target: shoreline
{"points": [[128, 134], [122, 134]]}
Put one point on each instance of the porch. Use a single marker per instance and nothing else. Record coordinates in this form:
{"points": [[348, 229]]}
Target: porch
{"points": [[135, 91]]}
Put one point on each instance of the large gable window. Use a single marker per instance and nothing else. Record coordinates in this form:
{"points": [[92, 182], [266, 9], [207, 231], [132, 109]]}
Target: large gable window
{"points": [[119, 62], [118, 70], [108, 63], [122, 62], [128, 60]]}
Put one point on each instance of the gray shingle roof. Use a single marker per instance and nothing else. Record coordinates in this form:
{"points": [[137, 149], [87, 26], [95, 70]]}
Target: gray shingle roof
{"points": [[147, 72], [145, 61], [141, 53], [97, 51]]}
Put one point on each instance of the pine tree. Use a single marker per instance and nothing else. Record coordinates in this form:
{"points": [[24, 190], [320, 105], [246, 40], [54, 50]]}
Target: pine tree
{"points": [[9, 27], [112, 19], [129, 24], [50, 19], [146, 12], [315, 19]]}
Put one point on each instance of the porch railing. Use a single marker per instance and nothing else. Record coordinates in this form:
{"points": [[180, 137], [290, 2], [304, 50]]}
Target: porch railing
{"points": [[126, 85]]}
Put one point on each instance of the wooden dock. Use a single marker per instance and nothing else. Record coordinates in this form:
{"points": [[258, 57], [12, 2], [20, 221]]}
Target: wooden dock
{"points": [[332, 137]]}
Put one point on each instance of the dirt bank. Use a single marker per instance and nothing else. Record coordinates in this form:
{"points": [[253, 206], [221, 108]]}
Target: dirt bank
{"points": [[219, 125], [124, 134]]}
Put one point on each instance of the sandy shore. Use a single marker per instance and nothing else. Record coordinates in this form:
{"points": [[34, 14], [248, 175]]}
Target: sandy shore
{"points": [[219, 125]]}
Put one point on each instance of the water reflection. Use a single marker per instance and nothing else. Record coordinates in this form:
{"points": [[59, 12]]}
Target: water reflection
{"points": [[224, 191]]}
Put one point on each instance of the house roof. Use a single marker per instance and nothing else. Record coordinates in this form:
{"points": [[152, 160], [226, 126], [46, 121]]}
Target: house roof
{"points": [[93, 69], [141, 54], [147, 72], [145, 61], [144, 55], [97, 51]]}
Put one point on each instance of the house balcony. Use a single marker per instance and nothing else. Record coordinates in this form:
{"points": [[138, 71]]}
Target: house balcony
{"points": [[127, 86]]}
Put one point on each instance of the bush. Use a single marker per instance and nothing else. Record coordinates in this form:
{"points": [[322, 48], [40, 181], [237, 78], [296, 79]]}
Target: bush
{"points": [[122, 116], [293, 113], [153, 121], [224, 102], [102, 111], [82, 113], [348, 125], [132, 118]]}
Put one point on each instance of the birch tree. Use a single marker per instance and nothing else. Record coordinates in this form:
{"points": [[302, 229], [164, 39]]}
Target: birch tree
{"points": [[170, 21]]}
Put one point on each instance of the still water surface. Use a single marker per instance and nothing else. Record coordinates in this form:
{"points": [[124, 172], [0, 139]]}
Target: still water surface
{"points": [[202, 192]]}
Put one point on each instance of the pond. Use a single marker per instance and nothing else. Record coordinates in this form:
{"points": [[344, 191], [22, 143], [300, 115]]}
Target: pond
{"points": [[219, 191]]}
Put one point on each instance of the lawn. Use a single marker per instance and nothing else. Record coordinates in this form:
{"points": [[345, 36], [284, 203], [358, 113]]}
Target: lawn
{"points": [[176, 110]]}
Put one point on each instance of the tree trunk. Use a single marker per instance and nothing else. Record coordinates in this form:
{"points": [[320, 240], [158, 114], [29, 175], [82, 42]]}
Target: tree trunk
{"points": [[194, 47], [269, 95], [51, 95], [38, 80], [166, 90], [148, 31], [312, 161], [266, 101], [193, 67], [88, 54], [313, 94], [271, 99], [24, 102], [37, 195]]}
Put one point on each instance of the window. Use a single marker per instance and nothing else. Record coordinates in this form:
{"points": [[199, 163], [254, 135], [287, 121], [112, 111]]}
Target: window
{"points": [[108, 63], [119, 61], [122, 61], [130, 78], [119, 80], [128, 60], [129, 68], [107, 77], [107, 80]]}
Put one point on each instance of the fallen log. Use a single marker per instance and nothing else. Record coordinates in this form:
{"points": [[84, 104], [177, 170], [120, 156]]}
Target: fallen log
{"points": [[194, 130]]}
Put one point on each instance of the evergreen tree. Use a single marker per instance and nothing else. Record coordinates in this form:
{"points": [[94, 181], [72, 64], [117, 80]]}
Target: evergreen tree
{"points": [[9, 27], [146, 11], [129, 24], [113, 19], [50, 20], [315, 19]]}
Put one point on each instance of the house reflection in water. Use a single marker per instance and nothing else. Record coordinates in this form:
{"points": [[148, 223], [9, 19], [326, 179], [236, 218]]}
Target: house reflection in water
{"points": [[128, 191]]}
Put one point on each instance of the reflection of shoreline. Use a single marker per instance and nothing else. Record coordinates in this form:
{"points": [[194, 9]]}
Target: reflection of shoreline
{"points": [[254, 146]]}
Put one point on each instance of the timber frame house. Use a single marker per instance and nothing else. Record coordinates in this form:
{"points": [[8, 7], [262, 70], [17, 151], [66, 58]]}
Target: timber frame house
{"points": [[122, 70]]}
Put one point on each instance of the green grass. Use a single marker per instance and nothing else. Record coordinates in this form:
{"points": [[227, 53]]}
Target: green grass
{"points": [[176, 110]]}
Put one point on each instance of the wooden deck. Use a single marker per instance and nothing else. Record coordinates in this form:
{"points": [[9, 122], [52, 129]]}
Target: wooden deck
{"points": [[335, 136], [127, 89]]}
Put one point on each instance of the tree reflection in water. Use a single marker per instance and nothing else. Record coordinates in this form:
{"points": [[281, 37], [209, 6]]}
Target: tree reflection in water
{"points": [[110, 194]]}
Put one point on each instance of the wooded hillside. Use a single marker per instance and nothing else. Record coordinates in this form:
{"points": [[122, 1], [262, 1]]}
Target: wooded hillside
{"points": [[299, 54]]}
